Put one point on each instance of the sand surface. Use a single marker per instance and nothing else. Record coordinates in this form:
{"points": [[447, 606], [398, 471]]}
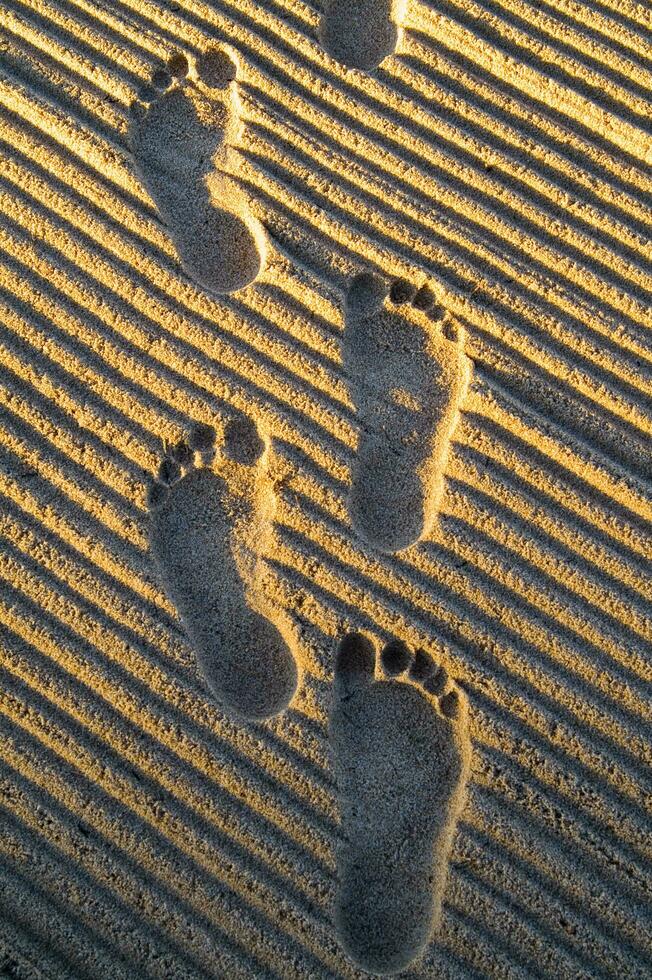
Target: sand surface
{"points": [[500, 158]]}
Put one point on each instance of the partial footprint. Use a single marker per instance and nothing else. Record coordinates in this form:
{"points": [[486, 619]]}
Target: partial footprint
{"points": [[361, 33], [408, 377], [208, 533], [402, 756], [183, 147]]}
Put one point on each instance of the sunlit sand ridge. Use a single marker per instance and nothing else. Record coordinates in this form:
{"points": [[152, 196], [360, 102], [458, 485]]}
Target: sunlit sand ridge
{"points": [[495, 155]]}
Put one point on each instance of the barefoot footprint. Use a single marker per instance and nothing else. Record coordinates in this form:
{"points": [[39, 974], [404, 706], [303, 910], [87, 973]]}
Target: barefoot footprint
{"points": [[183, 147], [402, 756], [208, 533], [361, 33], [408, 377]]}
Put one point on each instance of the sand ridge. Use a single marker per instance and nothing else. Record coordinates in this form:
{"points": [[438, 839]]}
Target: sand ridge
{"points": [[498, 154]]}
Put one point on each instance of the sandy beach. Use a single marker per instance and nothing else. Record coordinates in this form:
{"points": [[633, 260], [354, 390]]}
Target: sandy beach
{"points": [[325, 489]]}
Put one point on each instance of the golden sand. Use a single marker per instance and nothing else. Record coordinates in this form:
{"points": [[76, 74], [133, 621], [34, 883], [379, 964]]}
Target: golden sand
{"points": [[500, 157]]}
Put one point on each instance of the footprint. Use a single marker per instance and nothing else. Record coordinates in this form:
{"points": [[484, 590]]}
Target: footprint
{"points": [[183, 148], [402, 757], [408, 377], [208, 533], [361, 34]]}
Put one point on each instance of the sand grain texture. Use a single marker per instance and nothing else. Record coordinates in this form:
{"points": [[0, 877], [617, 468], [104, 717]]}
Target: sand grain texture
{"points": [[500, 157]]}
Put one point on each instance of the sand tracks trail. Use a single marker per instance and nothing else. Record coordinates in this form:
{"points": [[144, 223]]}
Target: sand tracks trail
{"points": [[183, 143], [208, 532], [402, 756], [408, 376]]}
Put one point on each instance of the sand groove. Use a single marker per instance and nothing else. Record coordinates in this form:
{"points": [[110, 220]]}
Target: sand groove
{"points": [[501, 155]]}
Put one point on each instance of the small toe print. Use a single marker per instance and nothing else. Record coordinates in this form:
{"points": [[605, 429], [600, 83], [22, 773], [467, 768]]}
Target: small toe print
{"points": [[451, 705], [156, 494], [169, 471], [424, 298], [396, 657], [242, 441], [216, 68], [201, 437], [182, 453], [161, 79], [450, 330], [178, 65], [422, 666], [355, 657], [366, 293], [435, 683], [402, 291]]}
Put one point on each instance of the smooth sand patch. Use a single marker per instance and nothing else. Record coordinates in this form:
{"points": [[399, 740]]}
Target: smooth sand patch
{"points": [[209, 531], [402, 755]]}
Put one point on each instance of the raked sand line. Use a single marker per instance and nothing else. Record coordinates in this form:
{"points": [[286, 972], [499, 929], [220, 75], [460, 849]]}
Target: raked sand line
{"points": [[208, 534], [402, 757], [361, 34], [183, 144], [408, 375]]}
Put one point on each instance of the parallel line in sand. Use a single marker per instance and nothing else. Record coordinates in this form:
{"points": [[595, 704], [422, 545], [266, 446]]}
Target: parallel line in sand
{"points": [[532, 82], [496, 142], [530, 34], [315, 372], [517, 844], [588, 15], [138, 232], [170, 359], [557, 787], [57, 927], [553, 568], [527, 79], [425, 608], [537, 353], [550, 24], [548, 290], [286, 817], [92, 108], [107, 920], [142, 660], [552, 656], [34, 34], [546, 475], [581, 458], [24, 409], [332, 91], [210, 860], [96, 856], [482, 177], [36, 773], [422, 182], [522, 779], [230, 352]]}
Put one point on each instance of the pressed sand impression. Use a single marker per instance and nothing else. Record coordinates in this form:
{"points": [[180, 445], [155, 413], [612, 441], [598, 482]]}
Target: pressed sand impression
{"points": [[209, 531], [408, 375], [183, 140]]}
